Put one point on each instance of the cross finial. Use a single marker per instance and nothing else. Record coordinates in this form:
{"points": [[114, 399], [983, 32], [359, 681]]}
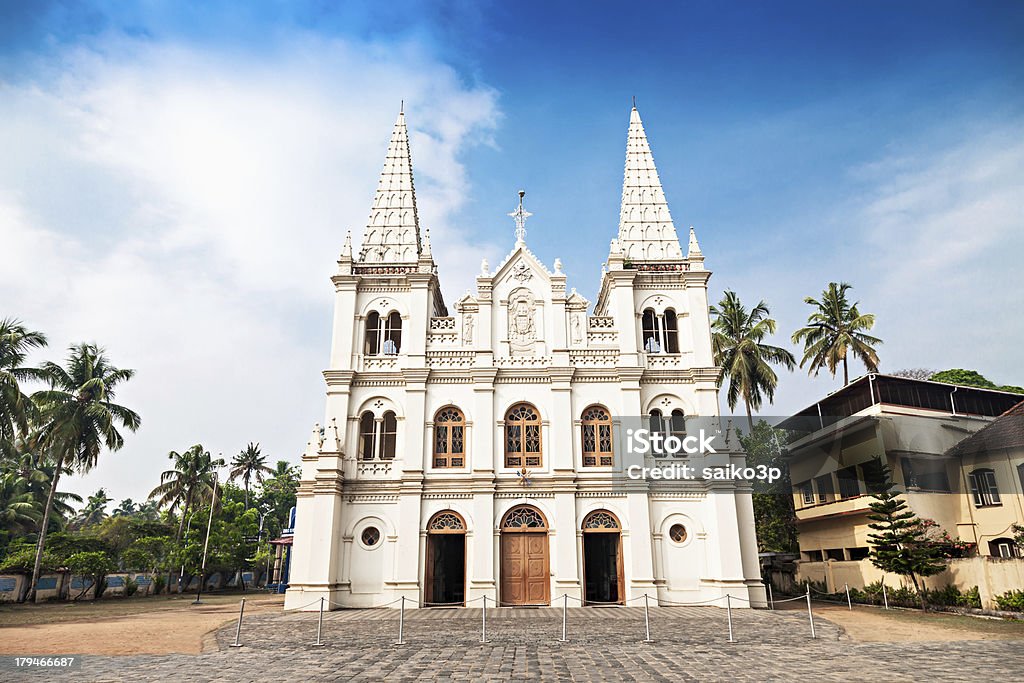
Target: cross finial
{"points": [[520, 215], [634, 101]]}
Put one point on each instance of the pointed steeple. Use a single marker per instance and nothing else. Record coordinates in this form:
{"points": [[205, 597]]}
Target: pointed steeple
{"points": [[694, 247], [646, 231], [393, 230]]}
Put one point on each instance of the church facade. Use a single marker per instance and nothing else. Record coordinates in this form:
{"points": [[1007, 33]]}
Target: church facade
{"points": [[471, 450]]}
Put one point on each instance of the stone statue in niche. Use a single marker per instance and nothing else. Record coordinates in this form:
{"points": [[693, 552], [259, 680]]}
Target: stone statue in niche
{"points": [[467, 328], [577, 329], [522, 329]]}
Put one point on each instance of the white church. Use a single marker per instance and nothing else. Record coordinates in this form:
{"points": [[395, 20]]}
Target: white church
{"points": [[470, 450]]}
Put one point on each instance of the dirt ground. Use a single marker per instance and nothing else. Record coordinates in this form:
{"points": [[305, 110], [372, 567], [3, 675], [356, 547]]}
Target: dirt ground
{"points": [[124, 627], [872, 624]]}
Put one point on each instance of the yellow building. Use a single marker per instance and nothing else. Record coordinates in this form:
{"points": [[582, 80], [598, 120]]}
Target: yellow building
{"points": [[956, 463]]}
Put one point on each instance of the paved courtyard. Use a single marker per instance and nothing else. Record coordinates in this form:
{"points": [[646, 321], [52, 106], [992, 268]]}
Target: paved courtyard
{"points": [[604, 644]]}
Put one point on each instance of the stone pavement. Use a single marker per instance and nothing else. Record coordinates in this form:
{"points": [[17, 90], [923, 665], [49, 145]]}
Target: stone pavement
{"points": [[604, 644]]}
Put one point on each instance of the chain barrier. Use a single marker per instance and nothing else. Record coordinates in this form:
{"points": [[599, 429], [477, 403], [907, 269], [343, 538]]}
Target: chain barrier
{"points": [[564, 598]]}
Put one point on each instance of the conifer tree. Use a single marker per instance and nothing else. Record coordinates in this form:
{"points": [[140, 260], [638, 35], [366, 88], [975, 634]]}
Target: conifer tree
{"points": [[899, 546]]}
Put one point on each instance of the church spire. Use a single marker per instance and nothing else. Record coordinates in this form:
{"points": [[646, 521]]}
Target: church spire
{"points": [[646, 231], [393, 230]]}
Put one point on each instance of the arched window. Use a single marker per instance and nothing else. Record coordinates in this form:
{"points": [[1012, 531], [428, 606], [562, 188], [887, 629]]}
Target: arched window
{"points": [[652, 335], [1003, 547], [656, 425], [660, 331], [449, 438], [678, 425], [390, 435], [367, 436], [984, 489], [522, 436], [393, 334], [372, 345], [383, 334], [671, 331], [597, 437]]}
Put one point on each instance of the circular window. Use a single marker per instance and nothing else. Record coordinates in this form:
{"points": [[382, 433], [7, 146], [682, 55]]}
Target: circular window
{"points": [[677, 533], [370, 537]]}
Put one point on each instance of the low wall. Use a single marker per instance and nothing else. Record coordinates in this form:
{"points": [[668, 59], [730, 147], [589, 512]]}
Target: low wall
{"points": [[49, 587], [11, 586], [80, 583], [992, 575]]}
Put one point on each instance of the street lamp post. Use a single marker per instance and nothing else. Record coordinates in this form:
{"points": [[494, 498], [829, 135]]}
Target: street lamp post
{"points": [[206, 544]]}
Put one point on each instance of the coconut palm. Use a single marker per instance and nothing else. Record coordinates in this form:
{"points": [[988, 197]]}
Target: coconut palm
{"points": [[126, 508], [834, 331], [95, 510], [737, 342], [148, 510], [16, 408], [78, 418], [190, 482], [19, 512], [250, 464]]}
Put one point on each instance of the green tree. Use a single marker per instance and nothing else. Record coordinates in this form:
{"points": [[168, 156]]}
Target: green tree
{"points": [[278, 494], [93, 565], [250, 464], [19, 511], [95, 510], [835, 330], [774, 516], [188, 483], [899, 546], [16, 408], [972, 378], [126, 508], [737, 339], [78, 418]]}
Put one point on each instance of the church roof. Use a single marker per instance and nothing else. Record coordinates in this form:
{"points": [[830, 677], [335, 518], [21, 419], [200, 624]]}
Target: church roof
{"points": [[393, 230], [646, 231]]}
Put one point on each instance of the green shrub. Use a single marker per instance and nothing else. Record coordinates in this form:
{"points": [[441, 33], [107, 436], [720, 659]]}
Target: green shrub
{"points": [[159, 581], [131, 586], [1012, 601]]}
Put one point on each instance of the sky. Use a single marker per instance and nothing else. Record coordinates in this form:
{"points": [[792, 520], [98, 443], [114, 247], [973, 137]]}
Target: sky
{"points": [[176, 178]]}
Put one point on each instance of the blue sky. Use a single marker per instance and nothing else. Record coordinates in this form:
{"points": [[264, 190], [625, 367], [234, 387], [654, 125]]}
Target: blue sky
{"points": [[199, 163]]}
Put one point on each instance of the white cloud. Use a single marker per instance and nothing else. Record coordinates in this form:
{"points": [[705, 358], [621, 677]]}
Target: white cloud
{"points": [[185, 207]]}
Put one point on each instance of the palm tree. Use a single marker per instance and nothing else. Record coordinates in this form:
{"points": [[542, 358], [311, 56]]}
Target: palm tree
{"points": [[250, 464], [15, 406], [148, 510], [835, 330], [95, 510], [188, 483], [78, 418], [19, 512], [736, 341], [126, 508]]}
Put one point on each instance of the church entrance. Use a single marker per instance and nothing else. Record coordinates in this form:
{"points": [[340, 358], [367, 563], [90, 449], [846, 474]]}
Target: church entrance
{"points": [[445, 574], [525, 567], [602, 559]]}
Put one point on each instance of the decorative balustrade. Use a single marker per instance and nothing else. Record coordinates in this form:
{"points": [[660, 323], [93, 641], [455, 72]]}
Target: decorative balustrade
{"points": [[442, 324]]}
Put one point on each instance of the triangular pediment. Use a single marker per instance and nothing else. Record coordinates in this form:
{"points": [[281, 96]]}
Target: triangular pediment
{"points": [[522, 267]]}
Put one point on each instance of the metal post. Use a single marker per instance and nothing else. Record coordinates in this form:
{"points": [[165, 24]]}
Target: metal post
{"points": [[810, 615], [771, 600], [483, 622], [885, 597], [849, 603], [647, 620], [401, 623], [728, 611], [565, 609], [320, 624], [238, 629]]}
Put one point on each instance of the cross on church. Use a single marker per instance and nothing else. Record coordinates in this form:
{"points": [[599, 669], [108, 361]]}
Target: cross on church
{"points": [[520, 215]]}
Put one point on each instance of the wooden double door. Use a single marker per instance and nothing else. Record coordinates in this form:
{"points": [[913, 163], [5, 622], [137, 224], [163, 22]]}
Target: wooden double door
{"points": [[525, 574]]}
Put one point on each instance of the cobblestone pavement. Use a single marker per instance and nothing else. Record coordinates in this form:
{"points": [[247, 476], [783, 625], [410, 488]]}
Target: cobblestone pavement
{"points": [[603, 644]]}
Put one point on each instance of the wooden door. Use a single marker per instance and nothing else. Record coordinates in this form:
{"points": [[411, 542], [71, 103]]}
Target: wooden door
{"points": [[525, 579]]}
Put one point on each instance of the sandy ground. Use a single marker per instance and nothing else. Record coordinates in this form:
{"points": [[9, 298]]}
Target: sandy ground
{"points": [[871, 624], [176, 627]]}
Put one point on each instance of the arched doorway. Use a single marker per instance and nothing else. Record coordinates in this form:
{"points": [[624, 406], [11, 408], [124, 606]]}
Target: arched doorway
{"points": [[444, 578], [525, 567], [602, 559]]}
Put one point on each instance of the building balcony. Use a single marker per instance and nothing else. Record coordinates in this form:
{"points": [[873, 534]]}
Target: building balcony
{"points": [[834, 508]]}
